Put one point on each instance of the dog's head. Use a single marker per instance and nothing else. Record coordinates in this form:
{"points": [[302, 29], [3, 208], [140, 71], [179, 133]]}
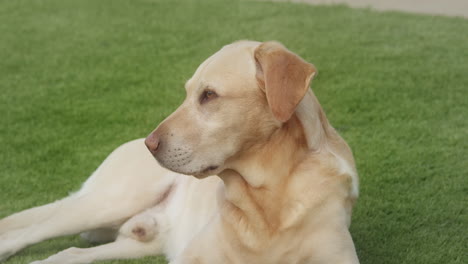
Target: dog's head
{"points": [[237, 98]]}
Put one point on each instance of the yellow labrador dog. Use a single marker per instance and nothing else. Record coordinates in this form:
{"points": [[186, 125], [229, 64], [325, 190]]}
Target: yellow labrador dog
{"points": [[284, 191]]}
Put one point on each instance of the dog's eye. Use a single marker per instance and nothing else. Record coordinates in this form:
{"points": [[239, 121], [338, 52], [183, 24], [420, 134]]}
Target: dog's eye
{"points": [[207, 95]]}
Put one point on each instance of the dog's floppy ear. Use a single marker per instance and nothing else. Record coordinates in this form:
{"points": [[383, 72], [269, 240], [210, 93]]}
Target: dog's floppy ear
{"points": [[284, 76]]}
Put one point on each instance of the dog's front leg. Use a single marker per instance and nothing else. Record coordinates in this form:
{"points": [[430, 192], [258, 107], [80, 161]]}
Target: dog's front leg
{"points": [[333, 246]]}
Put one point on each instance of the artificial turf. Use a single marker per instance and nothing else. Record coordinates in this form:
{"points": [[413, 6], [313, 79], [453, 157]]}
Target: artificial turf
{"points": [[78, 78]]}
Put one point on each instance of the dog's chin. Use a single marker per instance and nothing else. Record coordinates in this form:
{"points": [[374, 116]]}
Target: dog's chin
{"points": [[208, 171], [203, 173], [199, 174]]}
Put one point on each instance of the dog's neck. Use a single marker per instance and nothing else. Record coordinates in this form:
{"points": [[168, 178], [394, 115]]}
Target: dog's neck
{"points": [[254, 188], [266, 163]]}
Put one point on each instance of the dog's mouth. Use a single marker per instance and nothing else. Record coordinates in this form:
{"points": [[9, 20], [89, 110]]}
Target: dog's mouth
{"points": [[208, 171], [201, 173], [210, 168]]}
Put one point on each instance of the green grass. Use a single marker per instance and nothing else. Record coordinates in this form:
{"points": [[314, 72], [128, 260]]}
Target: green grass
{"points": [[78, 78]]}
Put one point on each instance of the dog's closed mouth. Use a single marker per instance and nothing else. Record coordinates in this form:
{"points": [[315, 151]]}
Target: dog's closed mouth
{"points": [[210, 168]]}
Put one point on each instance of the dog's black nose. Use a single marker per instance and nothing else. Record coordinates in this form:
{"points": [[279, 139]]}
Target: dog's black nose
{"points": [[152, 143]]}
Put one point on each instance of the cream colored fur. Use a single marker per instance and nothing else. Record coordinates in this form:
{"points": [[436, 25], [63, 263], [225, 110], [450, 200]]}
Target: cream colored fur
{"points": [[285, 186]]}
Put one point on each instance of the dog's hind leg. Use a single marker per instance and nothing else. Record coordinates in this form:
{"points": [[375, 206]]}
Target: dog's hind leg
{"points": [[68, 216], [28, 217], [126, 183], [124, 248], [142, 235]]}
